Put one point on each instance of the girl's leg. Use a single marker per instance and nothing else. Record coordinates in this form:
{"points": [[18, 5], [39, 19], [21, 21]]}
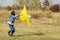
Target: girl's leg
{"points": [[10, 32], [13, 30]]}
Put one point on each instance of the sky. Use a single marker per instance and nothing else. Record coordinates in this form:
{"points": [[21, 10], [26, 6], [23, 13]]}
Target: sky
{"points": [[56, 1], [10, 2], [7, 2]]}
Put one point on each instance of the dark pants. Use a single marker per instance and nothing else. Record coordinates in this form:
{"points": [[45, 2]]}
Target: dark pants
{"points": [[10, 32]]}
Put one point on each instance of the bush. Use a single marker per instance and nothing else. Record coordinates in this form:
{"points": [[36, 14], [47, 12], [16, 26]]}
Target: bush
{"points": [[9, 8], [35, 16], [55, 8]]}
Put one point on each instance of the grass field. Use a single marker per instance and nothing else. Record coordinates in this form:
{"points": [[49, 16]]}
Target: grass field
{"points": [[42, 28]]}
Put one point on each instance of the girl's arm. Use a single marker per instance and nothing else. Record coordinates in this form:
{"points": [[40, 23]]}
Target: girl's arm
{"points": [[16, 17]]}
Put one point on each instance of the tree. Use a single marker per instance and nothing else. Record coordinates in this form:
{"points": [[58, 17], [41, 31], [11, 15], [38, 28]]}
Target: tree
{"points": [[15, 6], [46, 2], [50, 2], [29, 3], [36, 4]]}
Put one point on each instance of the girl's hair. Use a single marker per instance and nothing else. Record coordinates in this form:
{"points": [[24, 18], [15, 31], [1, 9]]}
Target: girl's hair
{"points": [[13, 13]]}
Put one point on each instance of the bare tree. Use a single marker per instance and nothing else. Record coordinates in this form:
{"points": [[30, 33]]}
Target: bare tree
{"points": [[46, 2], [50, 2]]}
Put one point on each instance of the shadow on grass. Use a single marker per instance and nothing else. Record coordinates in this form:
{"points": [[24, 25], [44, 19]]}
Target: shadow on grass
{"points": [[33, 34]]}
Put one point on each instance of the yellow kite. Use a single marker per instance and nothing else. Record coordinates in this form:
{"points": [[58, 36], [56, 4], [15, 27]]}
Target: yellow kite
{"points": [[24, 17]]}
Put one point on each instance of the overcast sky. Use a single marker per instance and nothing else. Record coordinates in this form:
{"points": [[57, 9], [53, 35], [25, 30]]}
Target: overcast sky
{"points": [[10, 2]]}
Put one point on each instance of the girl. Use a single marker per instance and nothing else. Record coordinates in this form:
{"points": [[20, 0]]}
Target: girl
{"points": [[11, 23]]}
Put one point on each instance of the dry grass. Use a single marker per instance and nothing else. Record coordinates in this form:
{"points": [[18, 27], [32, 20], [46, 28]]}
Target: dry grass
{"points": [[43, 28]]}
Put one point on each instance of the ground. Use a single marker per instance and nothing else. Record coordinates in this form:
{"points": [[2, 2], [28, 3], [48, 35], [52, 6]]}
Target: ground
{"points": [[41, 29]]}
